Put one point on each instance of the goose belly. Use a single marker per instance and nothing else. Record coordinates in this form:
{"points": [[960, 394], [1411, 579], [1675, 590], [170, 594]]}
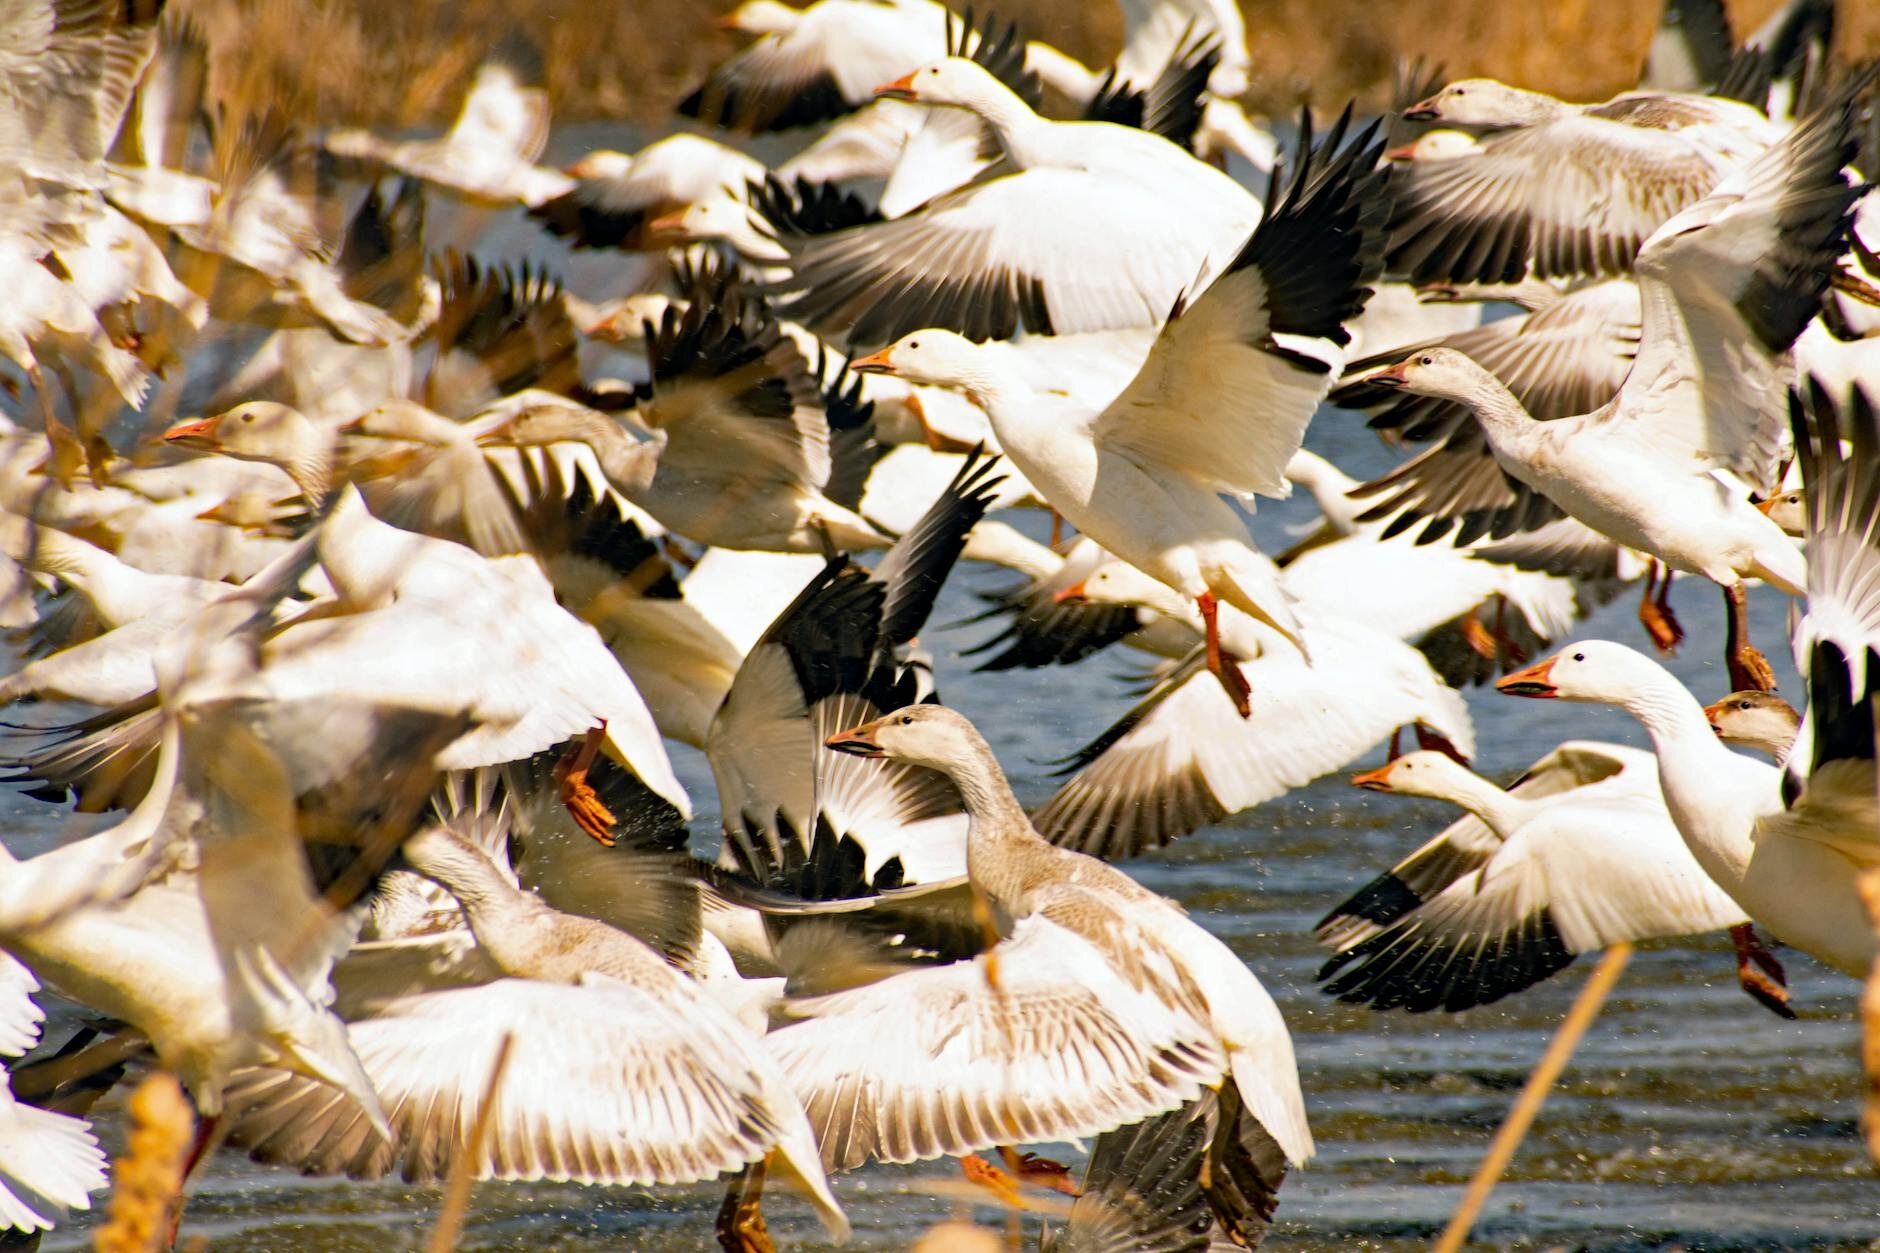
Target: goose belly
{"points": [[1683, 520]]}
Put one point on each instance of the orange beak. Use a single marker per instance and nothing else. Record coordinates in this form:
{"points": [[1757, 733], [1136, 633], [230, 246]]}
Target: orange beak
{"points": [[726, 21], [1423, 111], [195, 433], [1074, 592], [875, 362], [1765, 505], [1402, 152], [1392, 377], [1377, 780], [1535, 681], [857, 741], [901, 88], [1711, 713], [353, 427], [667, 226]]}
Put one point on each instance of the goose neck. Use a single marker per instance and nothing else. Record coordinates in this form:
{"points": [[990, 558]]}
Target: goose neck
{"points": [[992, 811], [1497, 408], [1503, 813]]}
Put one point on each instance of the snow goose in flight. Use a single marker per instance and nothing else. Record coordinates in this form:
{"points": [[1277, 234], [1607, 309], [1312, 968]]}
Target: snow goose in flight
{"points": [[740, 451], [1725, 287], [1786, 844], [827, 661], [488, 155], [1220, 405], [615, 196], [1547, 871], [1033, 240], [70, 67], [817, 63], [679, 1091], [1181, 758], [1037, 892], [1519, 203]]}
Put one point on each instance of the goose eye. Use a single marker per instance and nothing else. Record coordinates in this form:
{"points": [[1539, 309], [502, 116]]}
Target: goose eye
{"points": [[248, 417], [1579, 656], [1428, 361], [907, 719], [913, 343], [1742, 704]]}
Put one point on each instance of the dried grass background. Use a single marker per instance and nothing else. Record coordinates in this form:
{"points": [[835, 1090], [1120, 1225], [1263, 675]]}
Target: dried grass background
{"points": [[403, 62]]}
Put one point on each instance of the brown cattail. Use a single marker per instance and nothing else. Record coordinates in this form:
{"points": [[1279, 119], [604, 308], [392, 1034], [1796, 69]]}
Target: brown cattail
{"points": [[150, 1174]]}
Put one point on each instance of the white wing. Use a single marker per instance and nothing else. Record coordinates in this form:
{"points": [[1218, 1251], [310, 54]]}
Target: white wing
{"points": [[937, 1063], [1575, 878], [1222, 400], [1725, 287], [1184, 758]]}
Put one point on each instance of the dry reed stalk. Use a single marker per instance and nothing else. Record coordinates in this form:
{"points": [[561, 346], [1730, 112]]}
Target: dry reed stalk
{"points": [[149, 1177], [463, 1171], [1869, 885], [1521, 1114]]}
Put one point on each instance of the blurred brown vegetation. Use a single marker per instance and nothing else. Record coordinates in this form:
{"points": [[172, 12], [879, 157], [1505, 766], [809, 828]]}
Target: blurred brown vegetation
{"points": [[403, 62]]}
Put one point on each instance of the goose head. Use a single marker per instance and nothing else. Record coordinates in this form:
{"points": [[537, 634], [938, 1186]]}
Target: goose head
{"points": [[933, 356], [954, 83], [537, 425], [718, 217], [1441, 372], [404, 420], [1422, 773], [1117, 582], [1761, 721], [1593, 671], [761, 17], [1787, 510], [1485, 102], [924, 735], [262, 430]]}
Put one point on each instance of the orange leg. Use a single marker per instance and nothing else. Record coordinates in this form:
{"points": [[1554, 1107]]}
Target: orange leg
{"points": [[741, 1227], [1749, 669], [1767, 985], [583, 803], [1041, 1171], [1224, 668], [1654, 611]]}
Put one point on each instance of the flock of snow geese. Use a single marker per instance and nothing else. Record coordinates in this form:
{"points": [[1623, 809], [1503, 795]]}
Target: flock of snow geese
{"points": [[370, 668]]}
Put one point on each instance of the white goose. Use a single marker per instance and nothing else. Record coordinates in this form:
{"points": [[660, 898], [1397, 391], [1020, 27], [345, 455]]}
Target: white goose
{"points": [[1518, 202], [1033, 889], [1560, 873], [1787, 849], [680, 1091], [488, 155], [615, 195], [1181, 758], [1220, 405], [1661, 467], [1034, 239]]}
